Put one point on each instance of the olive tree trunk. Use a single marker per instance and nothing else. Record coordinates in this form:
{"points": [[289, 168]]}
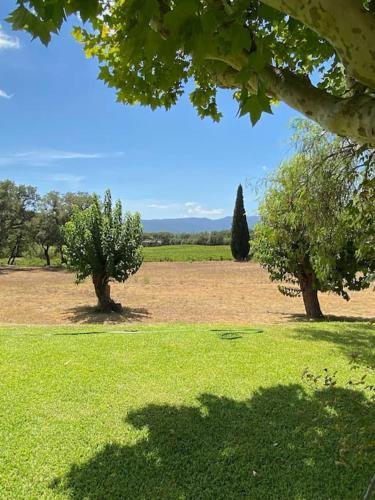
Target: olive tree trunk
{"points": [[14, 253], [310, 297], [46, 255], [103, 293]]}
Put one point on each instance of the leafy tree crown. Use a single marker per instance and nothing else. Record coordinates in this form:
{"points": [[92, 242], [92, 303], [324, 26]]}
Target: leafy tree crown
{"points": [[100, 241]]}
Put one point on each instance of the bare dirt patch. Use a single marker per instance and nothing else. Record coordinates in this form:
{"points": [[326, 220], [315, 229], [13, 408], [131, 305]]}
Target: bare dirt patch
{"points": [[200, 292]]}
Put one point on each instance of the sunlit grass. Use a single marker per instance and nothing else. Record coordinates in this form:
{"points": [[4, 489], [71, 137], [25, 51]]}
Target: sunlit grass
{"points": [[187, 253], [184, 412]]}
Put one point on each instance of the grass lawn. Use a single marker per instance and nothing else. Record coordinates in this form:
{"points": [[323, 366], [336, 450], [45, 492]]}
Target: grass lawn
{"points": [[184, 412]]}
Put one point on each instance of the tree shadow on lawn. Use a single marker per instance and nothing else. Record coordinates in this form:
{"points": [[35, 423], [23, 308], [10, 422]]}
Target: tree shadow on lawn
{"points": [[329, 317], [283, 443], [104, 332], [13, 269], [228, 334], [89, 314], [357, 342]]}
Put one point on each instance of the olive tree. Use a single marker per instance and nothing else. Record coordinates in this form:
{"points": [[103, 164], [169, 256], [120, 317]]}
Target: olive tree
{"points": [[17, 211], [104, 244], [263, 50], [308, 236]]}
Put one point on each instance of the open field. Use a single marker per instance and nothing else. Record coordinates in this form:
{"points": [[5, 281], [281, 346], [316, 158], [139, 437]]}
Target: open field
{"points": [[204, 292], [187, 253], [184, 412], [165, 253]]}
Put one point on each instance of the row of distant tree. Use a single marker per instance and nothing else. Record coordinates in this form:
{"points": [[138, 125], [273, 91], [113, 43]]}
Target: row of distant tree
{"points": [[203, 238]]}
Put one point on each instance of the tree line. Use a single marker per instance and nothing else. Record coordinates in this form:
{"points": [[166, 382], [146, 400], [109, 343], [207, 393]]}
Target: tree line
{"points": [[208, 238]]}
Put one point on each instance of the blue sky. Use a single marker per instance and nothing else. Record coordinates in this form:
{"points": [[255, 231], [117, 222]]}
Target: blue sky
{"points": [[61, 129]]}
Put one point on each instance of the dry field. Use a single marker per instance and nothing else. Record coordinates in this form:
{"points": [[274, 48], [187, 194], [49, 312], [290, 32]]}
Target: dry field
{"points": [[201, 292]]}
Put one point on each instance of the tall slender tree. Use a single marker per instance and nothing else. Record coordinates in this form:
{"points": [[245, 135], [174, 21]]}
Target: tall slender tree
{"points": [[240, 242]]}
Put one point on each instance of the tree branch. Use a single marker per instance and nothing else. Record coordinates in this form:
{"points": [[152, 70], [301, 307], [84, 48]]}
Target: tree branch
{"points": [[353, 116], [346, 25]]}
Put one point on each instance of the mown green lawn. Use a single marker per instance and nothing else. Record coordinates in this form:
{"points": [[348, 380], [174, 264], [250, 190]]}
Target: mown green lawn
{"points": [[174, 412]]}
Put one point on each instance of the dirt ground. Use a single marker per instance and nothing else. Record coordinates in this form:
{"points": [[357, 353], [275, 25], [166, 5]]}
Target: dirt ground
{"points": [[201, 292]]}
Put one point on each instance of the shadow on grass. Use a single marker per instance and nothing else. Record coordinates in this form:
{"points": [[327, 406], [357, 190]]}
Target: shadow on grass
{"points": [[227, 334], [282, 443], [88, 314], [357, 340], [15, 269], [68, 334], [104, 332], [329, 317]]}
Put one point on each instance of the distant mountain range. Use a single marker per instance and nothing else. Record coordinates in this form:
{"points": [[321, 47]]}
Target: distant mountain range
{"points": [[192, 224]]}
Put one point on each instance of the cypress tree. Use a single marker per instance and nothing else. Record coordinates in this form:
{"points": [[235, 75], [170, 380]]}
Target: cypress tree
{"points": [[240, 244]]}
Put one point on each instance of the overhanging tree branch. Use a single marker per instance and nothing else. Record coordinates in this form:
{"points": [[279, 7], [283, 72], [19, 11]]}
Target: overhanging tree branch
{"points": [[352, 116], [346, 25]]}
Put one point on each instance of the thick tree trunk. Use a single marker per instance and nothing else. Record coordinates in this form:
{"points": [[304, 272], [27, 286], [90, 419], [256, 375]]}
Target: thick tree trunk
{"points": [[103, 293], [46, 256], [310, 297]]}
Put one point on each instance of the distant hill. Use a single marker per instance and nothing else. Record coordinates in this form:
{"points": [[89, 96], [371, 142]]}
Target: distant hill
{"points": [[192, 224]]}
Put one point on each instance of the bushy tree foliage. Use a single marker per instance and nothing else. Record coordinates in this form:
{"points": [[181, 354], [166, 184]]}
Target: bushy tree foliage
{"points": [[310, 233], [240, 237], [104, 244], [48, 223], [262, 50], [17, 206]]}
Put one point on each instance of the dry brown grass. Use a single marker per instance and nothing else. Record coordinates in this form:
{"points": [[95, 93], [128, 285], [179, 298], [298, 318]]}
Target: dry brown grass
{"points": [[200, 292]]}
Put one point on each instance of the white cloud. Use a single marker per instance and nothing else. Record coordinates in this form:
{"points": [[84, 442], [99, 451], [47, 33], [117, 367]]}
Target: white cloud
{"points": [[68, 178], [8, 42], [160, 206], [194, 208], [189, 208], [49, 156], [71, 180], [5, 95]]}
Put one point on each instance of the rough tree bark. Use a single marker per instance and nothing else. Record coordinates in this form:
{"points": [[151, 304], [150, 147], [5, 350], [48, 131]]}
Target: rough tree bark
{"points": [[103, 293], [310, 296]]}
